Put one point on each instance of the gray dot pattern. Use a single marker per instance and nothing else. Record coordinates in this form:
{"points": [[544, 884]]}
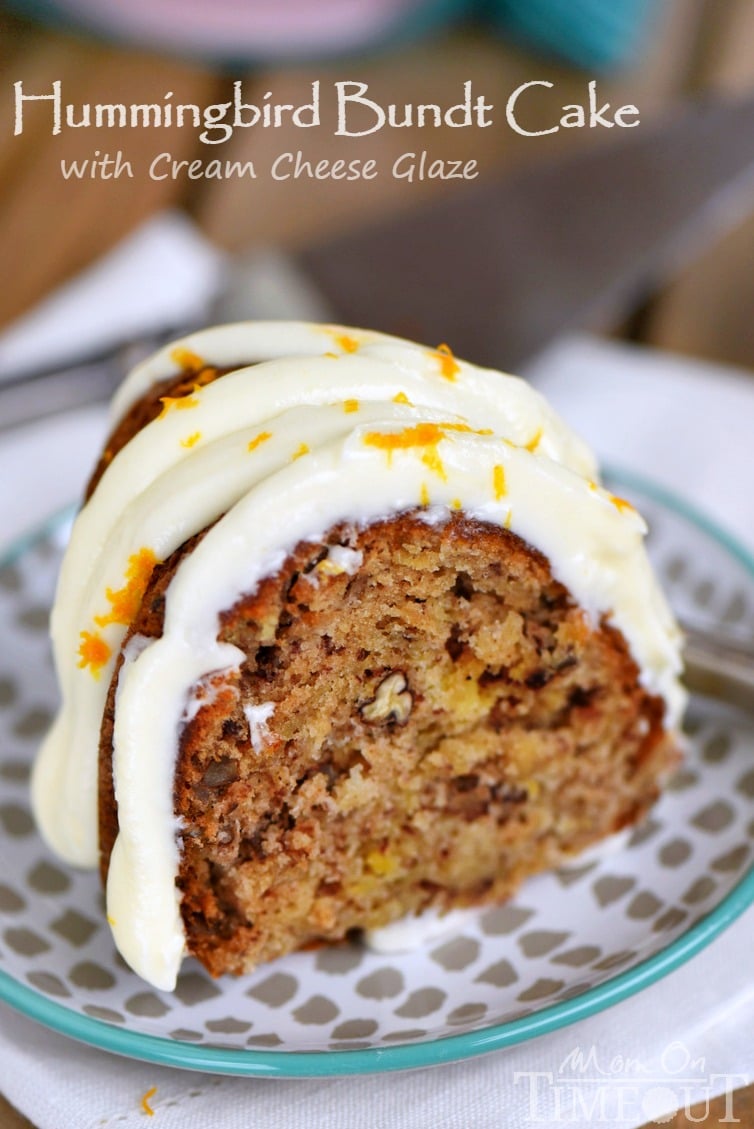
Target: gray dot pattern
{"points": [[456, 954], [566, 931]]}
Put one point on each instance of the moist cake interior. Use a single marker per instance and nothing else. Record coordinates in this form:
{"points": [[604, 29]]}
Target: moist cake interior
{"points": [[424, 728]]}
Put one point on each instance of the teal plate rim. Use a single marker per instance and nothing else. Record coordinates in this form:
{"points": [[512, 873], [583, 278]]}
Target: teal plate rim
{"points": [[408, 1056]]}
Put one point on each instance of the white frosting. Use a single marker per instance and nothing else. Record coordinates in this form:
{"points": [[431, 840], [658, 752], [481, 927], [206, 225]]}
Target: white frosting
{"points": [[285, 450], [341, 559], [259, 730], [415, 930]]}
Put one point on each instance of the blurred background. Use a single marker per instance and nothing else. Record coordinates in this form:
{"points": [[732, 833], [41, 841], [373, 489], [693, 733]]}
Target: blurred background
{"points": [[656, 54], [89, 264]]}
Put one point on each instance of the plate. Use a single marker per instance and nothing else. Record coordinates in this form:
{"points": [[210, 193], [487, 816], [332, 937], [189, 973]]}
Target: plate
{"points": [[572, 942]]}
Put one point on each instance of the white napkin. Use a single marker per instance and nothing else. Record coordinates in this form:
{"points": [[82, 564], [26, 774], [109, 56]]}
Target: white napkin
{"points": [[687, 424], [163, 276], [684, 424]]}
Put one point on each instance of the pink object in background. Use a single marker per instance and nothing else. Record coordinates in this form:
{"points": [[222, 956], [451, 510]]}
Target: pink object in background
{"points": [[254, 29]]}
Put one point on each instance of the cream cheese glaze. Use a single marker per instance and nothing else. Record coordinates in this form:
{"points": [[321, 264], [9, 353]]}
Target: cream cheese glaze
{"points": [[323, 424]]}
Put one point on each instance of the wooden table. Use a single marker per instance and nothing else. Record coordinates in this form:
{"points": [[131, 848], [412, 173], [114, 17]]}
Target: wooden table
{"points": [[51, 227]]}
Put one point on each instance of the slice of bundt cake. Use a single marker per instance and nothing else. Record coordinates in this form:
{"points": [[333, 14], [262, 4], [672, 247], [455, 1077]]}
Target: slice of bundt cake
{"points": [[347, 629]]}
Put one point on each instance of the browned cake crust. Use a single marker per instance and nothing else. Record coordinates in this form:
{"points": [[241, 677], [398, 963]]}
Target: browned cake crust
{"points": [[148, 407], [445, 723]]}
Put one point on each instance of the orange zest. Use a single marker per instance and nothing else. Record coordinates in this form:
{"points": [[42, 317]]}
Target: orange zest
{"points": [[258, 440], [426, 435], [402, 398], [180, 403], [350, 406], [498, 481], [420, 435], [432, 460], [302, 449], [124, 602], [93, 652], [146, 1107], [187, 360], [346, 343], [191, 440], [449, 366], [621, 504], [465, 427], [534, 441]]}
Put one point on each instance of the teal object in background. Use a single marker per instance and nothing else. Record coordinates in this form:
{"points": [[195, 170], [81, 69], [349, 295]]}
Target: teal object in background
{"points": [[596, 35], [593, 34]]}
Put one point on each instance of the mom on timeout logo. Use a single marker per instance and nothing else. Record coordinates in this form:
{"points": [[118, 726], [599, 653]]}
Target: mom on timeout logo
{"points": [[592, 1088]]}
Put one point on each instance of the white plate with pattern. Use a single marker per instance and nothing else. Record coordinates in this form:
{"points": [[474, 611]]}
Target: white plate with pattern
{"points": [[570, 943]]}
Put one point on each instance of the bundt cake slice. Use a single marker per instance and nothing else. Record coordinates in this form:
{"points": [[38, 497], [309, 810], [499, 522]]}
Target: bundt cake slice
{"points": [[347, 629]]}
